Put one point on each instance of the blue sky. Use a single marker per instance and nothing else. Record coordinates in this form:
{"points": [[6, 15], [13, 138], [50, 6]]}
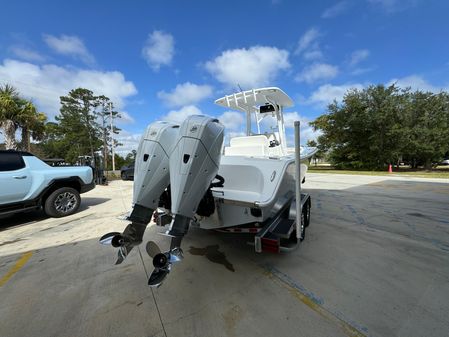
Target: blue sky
{"points": [[168, 59]]}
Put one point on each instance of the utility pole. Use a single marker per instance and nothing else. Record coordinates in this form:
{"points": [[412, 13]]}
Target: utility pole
{"points": [[112, 137]]}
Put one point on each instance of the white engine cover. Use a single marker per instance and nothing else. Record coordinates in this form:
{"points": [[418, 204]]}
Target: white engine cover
{"points": [[194, 162], [151, 176]]}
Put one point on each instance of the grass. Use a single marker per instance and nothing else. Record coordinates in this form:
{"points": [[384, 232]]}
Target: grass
{"points": [[439, 172]]}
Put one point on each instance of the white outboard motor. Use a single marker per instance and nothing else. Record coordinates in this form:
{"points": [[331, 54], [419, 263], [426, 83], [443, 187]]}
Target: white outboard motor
{"points": [[194, 163], [151, 173], [151, 178]]}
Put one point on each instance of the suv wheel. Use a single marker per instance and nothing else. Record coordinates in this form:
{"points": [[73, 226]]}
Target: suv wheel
{"points": [[124, 176], [62, 202]]}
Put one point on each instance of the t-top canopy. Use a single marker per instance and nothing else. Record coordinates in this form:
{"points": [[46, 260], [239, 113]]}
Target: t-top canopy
{"points": [[250, 100]]}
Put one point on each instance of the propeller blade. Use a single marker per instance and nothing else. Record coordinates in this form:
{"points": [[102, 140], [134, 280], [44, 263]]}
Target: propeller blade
{"points": [[152, 249], [107, 238], [176, 255], [121, 255], [157, 277]]}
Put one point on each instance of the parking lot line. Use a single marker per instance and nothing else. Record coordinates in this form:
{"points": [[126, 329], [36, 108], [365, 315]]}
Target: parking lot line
{"points": [[350, 329], [19, 264]]}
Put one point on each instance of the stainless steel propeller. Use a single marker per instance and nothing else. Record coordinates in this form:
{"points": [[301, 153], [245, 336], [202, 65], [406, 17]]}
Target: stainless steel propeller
{"points": [[117, 240], [162, 262], [107, 238]]}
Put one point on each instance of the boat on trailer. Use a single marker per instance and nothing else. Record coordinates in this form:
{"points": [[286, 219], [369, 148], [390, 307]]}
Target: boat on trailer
{"points": [[185, 177]]}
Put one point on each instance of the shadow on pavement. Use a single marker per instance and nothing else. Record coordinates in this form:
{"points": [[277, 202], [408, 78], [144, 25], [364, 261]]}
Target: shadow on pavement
{"points": [[39, 215]]}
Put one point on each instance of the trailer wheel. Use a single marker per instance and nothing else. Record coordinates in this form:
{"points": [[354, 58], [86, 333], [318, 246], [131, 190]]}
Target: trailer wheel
{"points": [[307, 213]]}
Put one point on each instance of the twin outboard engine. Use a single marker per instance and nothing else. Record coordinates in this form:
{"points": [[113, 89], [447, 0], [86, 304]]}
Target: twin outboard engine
{"points": [[186, 159]]}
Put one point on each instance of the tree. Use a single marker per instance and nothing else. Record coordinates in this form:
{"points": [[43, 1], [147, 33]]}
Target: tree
{"points": [[77, 128], [131, 157], [53, 141], [320, 154], [82, 127], [32, 124], [9, 109], [16, 112], [104, 114], [427, 128], [381, 125]]}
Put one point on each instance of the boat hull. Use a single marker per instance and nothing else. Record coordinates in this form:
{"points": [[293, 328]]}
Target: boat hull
{"points": [[255, 189]]}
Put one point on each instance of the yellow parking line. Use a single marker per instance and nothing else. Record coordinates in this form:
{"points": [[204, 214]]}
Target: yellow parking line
{"points": [[19, 264], [348, 329]]}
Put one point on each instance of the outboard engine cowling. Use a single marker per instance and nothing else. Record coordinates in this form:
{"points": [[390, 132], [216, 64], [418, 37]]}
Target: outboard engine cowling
{"points": [[151, 175], [194, 162]]}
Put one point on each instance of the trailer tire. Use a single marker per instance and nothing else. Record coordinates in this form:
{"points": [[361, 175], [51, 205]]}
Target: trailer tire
{"points": [[307, 207], [303, 225]]}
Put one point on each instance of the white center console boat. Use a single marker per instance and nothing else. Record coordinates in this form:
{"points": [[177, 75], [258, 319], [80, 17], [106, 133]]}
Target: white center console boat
{"points": [[184, 176]]}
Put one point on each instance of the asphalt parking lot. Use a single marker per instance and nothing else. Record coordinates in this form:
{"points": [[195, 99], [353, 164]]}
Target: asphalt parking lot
{"points": [[375, 262]]}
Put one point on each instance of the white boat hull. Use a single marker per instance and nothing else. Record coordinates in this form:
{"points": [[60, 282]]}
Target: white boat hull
{"points": [[254, 190]]}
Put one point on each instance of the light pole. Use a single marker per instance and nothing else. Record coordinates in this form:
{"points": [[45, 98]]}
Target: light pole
{"points": [[112, 137]]}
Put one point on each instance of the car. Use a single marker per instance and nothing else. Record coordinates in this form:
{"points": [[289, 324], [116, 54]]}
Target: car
{"points": [[445, 162], [127, 172], [27, 183]]}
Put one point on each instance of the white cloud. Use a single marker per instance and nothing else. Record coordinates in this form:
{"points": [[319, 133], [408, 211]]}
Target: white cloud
{"points": [[291, 117], [27, 54], [178, 116], [249, 68], [159, 49], [327, 93], [126, 118], [392, 6], [308, 41], [71, 46], [312, 55], [46, 83], [360, 71], [185, 94], [416, 82], [317, 72], [130, 141], [335, 10], [358, 56], [232, 120], [306, 130]]}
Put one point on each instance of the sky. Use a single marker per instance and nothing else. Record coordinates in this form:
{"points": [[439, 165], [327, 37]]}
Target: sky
{"points": [[168, 59]]}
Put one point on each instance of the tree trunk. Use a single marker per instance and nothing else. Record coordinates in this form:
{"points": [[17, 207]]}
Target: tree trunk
{"points": [[428, 165], [10, 134], [26, 143]]}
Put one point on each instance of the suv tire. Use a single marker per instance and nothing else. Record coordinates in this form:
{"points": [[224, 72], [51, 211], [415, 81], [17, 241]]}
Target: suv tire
{"points": [[62, 202]]}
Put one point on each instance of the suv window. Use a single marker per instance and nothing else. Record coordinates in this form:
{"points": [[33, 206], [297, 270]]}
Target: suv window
{"points": [[11, 161]]}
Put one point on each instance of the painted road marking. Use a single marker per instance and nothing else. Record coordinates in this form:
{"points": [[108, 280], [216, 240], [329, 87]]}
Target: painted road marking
{"points": [[19, 264], [315, 303]]}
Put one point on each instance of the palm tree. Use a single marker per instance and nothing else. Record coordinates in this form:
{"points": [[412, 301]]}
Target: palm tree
{"points": [[9, 110], [16, 112], [32, 124]]}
